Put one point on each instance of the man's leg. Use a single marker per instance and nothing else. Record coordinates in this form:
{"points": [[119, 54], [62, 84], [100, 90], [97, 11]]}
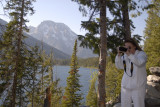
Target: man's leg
{"points": [[125, 98], [138, 96]]}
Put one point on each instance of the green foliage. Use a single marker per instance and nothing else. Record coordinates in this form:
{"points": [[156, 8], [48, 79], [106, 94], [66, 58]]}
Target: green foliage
{"points": [[14, 53], [45, 74], [33, 65], [91, 98], [35, 72], [56, 93], [115, 26], [72, 95], [113, 82], [152, 35], [22, 66], [18, 10], [41, 77]]}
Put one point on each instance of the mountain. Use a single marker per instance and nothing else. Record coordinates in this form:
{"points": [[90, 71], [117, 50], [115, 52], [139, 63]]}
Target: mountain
{"points": [[59, 36], [57, 53], [31, 41], [2, 26]]}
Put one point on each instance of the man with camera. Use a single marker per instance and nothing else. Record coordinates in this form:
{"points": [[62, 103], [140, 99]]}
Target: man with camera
{"points": [[132, 59]]}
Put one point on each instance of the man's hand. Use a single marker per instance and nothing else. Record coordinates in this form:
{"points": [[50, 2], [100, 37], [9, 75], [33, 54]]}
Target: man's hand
{"points": [[119, 53], [128, 52]]}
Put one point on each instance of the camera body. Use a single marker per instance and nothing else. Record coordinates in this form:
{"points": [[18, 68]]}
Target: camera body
{"points": [[122, 49]]}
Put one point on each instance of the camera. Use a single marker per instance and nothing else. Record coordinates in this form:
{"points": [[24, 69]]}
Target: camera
{"points": [[122, 49]]}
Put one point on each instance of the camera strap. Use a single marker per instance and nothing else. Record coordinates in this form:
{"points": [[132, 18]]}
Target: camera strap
{"points": [[124, 64]]}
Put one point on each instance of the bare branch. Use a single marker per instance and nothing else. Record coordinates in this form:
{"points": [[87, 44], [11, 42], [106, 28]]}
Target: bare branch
{"points": [[93, 12], [3, 7]]}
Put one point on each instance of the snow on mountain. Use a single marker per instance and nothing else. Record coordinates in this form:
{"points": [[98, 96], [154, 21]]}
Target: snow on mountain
{"points": [[58, 35]]}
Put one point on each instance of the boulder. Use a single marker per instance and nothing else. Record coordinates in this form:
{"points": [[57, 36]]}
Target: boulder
{"points": [[155, 85], [109, 104], [83, 106], [155, 70], [151, 91], [153, 78], [117, 105], [152, 102]]}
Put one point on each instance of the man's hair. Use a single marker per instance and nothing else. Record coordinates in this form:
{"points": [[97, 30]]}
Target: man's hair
{"points": [[134, 42]]}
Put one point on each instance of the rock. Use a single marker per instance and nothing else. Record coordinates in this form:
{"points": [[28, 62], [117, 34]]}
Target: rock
{"points": [[153, 88], [152, 102], [153, 78], [117, 105], [151, 91], [155, 85], [149, 102], [155, 70], [109, 104], [83, 106]]}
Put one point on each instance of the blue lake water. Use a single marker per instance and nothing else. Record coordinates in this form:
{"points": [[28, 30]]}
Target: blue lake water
{"points": [[85, 73]]}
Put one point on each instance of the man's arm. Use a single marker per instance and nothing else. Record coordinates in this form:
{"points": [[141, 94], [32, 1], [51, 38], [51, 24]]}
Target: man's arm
{"points": [[119, 62], [139, 59]]}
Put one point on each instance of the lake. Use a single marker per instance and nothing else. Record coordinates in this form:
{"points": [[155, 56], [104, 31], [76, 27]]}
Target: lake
{"points": [[85, 73]]}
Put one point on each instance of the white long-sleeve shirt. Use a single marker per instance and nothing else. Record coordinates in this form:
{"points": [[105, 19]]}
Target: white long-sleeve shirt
{"points": [[139, 77]]}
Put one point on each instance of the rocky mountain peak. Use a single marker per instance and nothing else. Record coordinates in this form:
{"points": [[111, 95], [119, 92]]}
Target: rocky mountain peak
{"points": [[59, 36]]}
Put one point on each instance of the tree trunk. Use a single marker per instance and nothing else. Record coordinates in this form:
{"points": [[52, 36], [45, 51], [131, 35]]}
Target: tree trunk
{"points": [[20, 45], [14, 89], [42, 82], [47, 101], [103, 52], [20, 102], [126, 21], [17, 69], [34, 76]]}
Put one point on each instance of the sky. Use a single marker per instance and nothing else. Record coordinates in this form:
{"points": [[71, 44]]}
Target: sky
{"points": [[61, 11], [67, 12]]}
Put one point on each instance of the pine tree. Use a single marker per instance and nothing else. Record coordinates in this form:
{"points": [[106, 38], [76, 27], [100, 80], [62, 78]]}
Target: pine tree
{"points": [[56, 94], [55, 90], [126, 21], [44, 74], [50, 66], [99, 26], [152, 35], [14, 50], [33, 65], [118, 28], [113, 82], [40, 67], [72, 95], [91, 98]]}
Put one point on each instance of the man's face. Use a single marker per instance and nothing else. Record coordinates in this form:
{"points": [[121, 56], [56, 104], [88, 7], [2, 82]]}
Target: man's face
{"points": [[130, 47]]}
